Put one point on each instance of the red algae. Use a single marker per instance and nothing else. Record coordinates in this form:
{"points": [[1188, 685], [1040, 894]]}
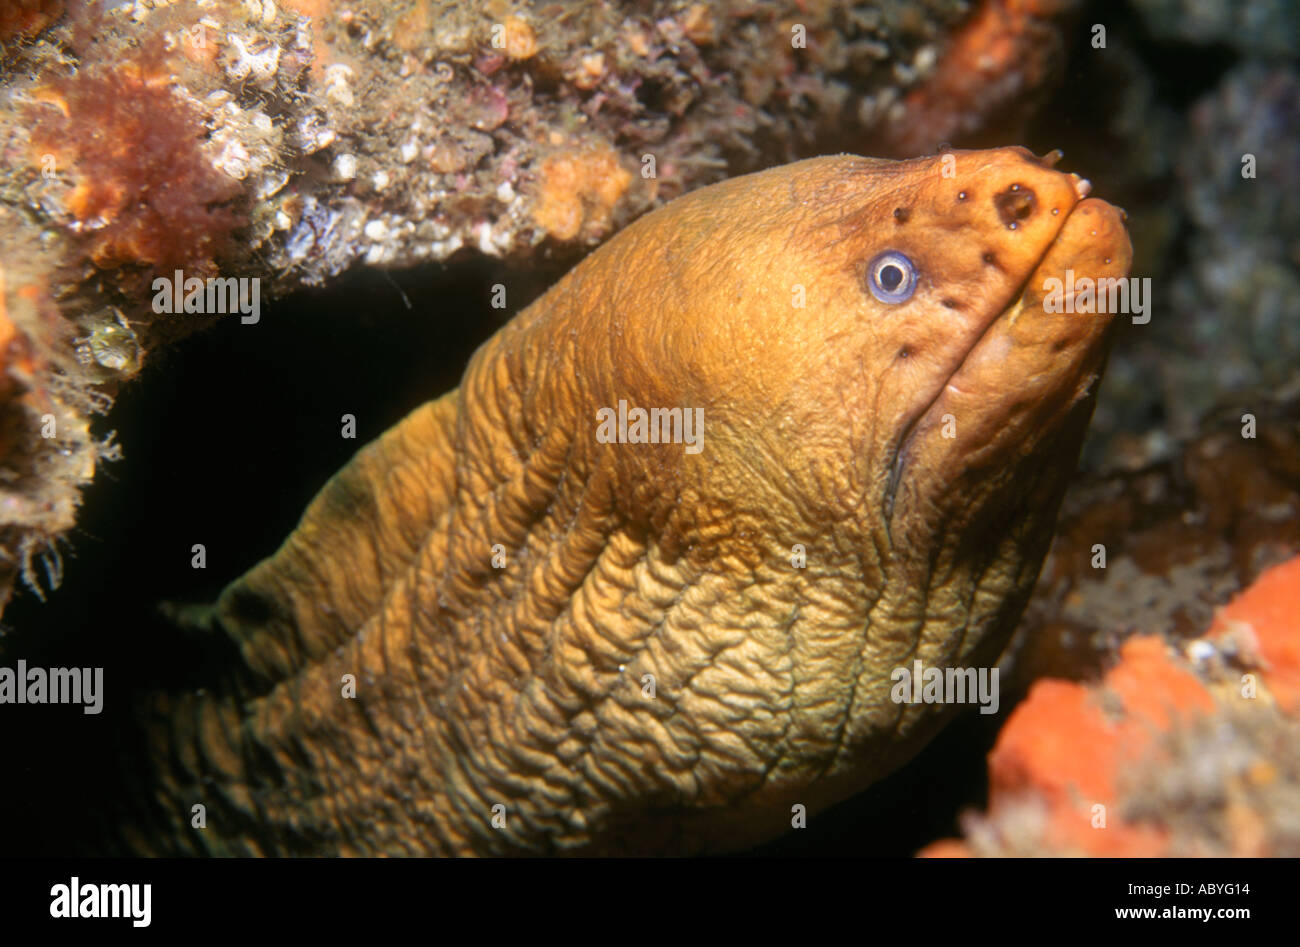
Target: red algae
{"points": [[144, 193], [578, 191]]}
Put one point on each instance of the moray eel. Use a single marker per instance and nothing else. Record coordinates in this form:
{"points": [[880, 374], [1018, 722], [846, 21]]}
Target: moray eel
{"points": [[494, 632]]}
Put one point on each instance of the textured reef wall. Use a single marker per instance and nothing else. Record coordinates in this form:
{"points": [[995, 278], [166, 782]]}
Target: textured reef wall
{"points": [[287, 142]]}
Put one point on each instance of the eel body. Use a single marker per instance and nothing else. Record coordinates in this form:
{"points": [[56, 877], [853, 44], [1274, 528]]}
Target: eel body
{"points": [[559, 642]]}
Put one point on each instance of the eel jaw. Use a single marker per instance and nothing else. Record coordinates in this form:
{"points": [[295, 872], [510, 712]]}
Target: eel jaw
{"points": [[1028, 362]]}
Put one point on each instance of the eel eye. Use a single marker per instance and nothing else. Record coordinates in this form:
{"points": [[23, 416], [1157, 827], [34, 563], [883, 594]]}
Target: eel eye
{"points": [[891, 277]]}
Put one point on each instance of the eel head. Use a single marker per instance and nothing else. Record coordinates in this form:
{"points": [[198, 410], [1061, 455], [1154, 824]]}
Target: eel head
{"points": [[571, 627]]}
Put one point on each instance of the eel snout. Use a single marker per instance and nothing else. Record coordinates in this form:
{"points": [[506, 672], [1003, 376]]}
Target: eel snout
{"points": [[1043, 354]]}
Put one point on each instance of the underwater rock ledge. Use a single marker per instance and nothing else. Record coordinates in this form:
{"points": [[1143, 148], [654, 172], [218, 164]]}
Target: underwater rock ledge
{"points": [[286, 142]]}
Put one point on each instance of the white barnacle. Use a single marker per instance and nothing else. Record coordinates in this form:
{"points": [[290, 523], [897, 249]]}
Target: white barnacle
{"points": [[271, 182], [336, 83], [1200, 651], [486, 245], [114, 347], [345, 167], [234, 160], [313, 133], [239, 68], [257, 60], [926, 59]]}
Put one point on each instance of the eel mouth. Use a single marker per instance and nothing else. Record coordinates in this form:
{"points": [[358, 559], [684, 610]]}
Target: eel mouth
{"points": [[1042, 346]]}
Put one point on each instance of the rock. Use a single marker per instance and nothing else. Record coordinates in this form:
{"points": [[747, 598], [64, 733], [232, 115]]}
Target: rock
{"points": [[1169, 754]]}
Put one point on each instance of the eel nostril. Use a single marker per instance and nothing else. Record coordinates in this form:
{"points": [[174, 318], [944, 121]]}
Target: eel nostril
{"points": [[1014, 204]]}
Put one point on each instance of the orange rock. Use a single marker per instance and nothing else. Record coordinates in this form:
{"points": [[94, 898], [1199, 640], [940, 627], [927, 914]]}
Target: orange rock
{"points": [[200, 48], [945, 848], [6, 327], [1065, 749], [7, 333], [699, 25], [313, 8], [1060, 739], [1153, 688], [521, 41], [1057, 742], [24, 372], [144, 192], [1067, 745], [1270, 612], [578, 190]]}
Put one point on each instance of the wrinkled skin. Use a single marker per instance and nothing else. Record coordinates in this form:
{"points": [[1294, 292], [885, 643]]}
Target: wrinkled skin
{"points": [[524, 686]]}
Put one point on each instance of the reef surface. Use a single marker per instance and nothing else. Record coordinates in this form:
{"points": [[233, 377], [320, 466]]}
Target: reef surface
{"points": [[287, 142]]}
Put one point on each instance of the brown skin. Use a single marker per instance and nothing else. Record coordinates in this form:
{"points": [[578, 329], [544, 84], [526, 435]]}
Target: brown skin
{"points": [[522, 686]]}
